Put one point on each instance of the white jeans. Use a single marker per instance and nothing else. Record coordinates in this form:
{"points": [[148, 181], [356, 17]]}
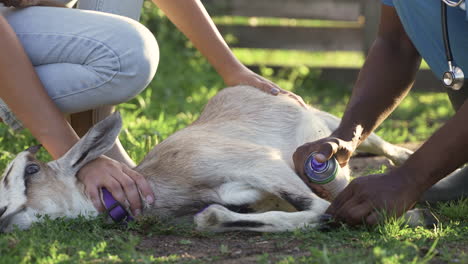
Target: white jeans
{"points": [[85, 59]]}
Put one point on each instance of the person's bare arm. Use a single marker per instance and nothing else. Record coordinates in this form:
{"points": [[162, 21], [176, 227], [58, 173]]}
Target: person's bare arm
{"points": [[398, 190], [23, 92], [385, 79], [192, 19]]}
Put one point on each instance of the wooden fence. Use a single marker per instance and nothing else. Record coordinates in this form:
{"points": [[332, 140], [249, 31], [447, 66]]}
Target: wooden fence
{"points": [[357, 37]]}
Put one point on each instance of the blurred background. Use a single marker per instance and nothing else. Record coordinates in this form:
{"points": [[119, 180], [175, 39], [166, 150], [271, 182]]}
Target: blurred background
{"points": [[313, 48]]}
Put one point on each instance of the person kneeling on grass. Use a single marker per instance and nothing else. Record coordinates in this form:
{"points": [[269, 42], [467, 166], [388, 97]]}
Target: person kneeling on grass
{"points": [[59, 60], [408, 30]]}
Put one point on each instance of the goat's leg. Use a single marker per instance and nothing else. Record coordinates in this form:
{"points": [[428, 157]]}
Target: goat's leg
{"points": [[376, 145], [217, 218], [285, 185], [373, 144]]}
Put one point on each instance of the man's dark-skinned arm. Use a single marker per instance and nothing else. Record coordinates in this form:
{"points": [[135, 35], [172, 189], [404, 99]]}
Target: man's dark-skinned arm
{"points": [[398, 190], [385, 79]]}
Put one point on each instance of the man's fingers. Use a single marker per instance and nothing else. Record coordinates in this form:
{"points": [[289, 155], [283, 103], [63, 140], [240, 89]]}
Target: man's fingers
{"points": [[326, 151], [373, 218], [339, 201], [355, 213], [299, 158], [343, 213], [142, 185]]}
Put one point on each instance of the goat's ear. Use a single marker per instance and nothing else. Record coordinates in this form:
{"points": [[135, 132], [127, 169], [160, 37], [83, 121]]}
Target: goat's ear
{"points": [[95, 143]]}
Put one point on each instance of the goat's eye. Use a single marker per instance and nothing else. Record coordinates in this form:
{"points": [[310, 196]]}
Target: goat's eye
{"points": [[32, 169]]}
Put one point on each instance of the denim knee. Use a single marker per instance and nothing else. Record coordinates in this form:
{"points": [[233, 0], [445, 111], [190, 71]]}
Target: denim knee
{"points": [[106, 64], [124, 61], [138, 63]]}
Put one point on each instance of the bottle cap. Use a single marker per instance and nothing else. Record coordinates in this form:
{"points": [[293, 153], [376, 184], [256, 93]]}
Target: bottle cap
{"points": [[318, 166], [318, 172]]}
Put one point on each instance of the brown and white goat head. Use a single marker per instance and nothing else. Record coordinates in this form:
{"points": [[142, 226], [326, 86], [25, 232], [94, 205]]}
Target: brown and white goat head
{"points": [[30, 188]]}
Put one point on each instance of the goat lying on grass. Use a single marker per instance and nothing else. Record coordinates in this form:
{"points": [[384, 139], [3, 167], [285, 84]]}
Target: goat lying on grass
{"points": [[235, 161]]}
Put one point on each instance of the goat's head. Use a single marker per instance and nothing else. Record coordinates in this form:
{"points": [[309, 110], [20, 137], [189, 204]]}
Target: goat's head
{"points": [[30, 187]]}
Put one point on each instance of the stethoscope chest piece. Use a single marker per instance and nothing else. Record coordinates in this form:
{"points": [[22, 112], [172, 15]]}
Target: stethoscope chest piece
{"points": [[454, 78]]}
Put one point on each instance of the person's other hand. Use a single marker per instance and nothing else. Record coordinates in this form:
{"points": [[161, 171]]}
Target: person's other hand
{"points": [[245, 76], [124, 183], [365, 198]]}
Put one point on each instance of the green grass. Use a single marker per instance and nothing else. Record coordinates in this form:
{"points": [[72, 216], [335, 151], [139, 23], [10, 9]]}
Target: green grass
{"points": [[295, 58], [284, 22], [94, 241], [182, 86]]}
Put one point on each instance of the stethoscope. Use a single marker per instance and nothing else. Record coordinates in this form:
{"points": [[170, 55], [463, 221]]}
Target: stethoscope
{"points": [[454, 77]]}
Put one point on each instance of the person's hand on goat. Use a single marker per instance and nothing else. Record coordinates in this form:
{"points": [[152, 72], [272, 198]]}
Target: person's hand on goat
{"points": [[245, 76], [124, 183]]}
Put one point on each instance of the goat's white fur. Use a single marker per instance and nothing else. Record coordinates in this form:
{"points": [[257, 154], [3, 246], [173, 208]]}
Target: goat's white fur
{"points": [[237, 154]]}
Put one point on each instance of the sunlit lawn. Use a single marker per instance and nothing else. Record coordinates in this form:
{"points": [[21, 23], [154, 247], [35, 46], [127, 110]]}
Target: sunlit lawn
{"points": [[182, 86]]}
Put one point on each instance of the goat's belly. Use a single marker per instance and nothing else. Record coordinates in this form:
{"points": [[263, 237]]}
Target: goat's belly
{"points": [[272, 203]]}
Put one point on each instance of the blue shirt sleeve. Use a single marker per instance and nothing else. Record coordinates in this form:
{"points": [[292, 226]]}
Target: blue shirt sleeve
{"points": [[387, 2]]}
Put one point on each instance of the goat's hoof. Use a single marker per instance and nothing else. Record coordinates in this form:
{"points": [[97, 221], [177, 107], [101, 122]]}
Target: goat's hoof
{"points": [[325, 218], [327, 223], [421, 217], [211, 218], [430, 220]]}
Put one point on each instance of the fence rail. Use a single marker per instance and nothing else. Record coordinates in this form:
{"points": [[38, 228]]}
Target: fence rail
{"points": [[366, 14], [297, 38], [311, 9]]}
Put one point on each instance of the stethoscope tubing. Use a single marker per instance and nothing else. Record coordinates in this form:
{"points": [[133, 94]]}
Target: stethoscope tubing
{"points": [[453, 3], [445, 34]]}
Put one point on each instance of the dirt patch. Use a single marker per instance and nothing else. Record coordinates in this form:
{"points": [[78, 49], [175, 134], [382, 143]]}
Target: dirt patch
{"points": [[361, 166], [363, 163], [229, 248]]}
